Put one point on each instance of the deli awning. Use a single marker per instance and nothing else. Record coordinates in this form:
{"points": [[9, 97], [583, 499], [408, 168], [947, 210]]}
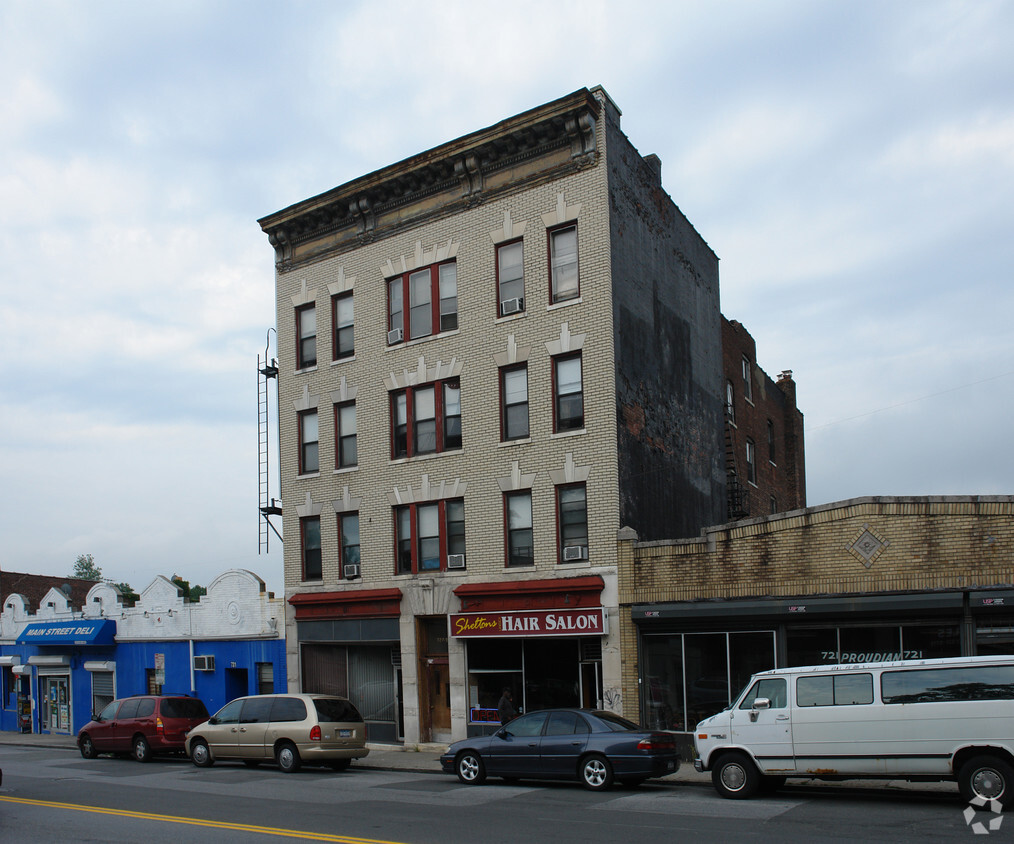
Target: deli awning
{"points": [[77, 632]]}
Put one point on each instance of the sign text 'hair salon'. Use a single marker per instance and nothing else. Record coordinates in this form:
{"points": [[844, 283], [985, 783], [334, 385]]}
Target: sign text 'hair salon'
{"points": [[567, 622]]}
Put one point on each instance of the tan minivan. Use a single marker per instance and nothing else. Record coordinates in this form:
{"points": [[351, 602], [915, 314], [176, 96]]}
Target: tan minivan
{"points": [[290, 730]]}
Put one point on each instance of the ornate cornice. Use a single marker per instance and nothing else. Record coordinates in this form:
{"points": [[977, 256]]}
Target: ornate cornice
{"points": [[461, 169]]}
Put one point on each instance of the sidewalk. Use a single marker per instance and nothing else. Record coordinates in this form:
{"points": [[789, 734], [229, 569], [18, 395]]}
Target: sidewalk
{"points": [[425, 759]]}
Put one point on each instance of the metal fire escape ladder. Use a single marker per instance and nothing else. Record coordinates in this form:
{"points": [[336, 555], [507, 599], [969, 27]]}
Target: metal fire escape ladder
{"points": [[267, 371], [736, 498]]}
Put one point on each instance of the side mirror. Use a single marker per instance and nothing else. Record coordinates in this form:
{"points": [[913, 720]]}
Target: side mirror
{"points": [[212, 720], [762, 703]]}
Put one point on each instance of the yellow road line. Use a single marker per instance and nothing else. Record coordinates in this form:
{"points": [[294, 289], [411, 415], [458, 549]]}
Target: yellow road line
{"points": [[239, 827]]}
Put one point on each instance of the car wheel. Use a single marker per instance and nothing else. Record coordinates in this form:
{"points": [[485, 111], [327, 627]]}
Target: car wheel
{"points": [[251, 763], [200, 755], [288, 757], [736, 777], [470, 768], [87, 748], [596, 773], [987, 778], [141, 749], [339, 764]]}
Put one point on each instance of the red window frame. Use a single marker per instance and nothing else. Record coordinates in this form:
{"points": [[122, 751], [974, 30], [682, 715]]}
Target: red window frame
{"points": [[336, 353], [413, 511], [304, 550], [499, 293], [300, 362], [303, 470], [556, 360], [550, 234], [439, 418], [406, 307], [341, 546]]}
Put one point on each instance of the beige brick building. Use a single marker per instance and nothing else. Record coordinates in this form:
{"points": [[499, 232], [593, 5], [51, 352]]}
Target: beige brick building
{"points": [[867, 579], [492, 356]]}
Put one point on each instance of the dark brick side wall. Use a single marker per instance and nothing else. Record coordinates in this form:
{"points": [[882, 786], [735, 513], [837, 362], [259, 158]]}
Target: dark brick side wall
{"points": [[667, 352], [783, 478]]}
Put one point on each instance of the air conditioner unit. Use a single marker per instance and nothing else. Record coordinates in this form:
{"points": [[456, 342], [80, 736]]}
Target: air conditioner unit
{"points": [[455, 561], [575, 552], [350, 571], [395, 336], [512, 306], [204, 663]]}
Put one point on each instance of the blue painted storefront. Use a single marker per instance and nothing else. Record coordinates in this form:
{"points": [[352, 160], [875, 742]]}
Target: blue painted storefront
{"points": [[62, 671]]}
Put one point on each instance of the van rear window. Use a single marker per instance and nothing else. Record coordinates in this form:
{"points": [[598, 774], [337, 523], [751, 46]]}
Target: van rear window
{"points": [[336, 709], [941, 685], [184, 707]]}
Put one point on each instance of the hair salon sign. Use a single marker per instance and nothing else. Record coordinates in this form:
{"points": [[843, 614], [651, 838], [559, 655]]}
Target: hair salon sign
{"points": [[569, 622]]}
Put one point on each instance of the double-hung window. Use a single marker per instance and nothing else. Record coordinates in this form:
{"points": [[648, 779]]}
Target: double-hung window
{"points": [[563, 264], [426, 419], [430, 299], [425, 534], [310, 535], [346, 453], [520, 538], [309, 436], [771, 441], [343, 319], [510, 278], [348, 544], [730, 403], [751, 461], [568, 393], [747, 380], [514, 403], [306, 337], [572, 518]]}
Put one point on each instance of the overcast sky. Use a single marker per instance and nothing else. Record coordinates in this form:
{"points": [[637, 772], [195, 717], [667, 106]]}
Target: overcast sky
{"points": [[851, 163]]}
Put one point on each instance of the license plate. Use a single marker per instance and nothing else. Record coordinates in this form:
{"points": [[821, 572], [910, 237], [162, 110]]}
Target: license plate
{"points": [[345, 734]]}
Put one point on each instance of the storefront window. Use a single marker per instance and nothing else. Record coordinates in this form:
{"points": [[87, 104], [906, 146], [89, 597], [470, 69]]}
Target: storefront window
{"points": [[936, 641], [995, 635], [831, 645], [812, 647], [707, 675], [869, 644], [493, 665], [663, 680]]}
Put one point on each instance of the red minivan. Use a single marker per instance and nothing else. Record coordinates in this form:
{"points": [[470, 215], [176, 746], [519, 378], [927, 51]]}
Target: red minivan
{"points": [[142, 726]]}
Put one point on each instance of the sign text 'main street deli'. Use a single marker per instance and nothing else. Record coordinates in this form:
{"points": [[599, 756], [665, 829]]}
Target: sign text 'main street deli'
{"points": [[564, 622]]}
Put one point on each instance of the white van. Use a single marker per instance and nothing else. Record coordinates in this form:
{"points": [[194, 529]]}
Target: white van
{"points": [[919, 720]]}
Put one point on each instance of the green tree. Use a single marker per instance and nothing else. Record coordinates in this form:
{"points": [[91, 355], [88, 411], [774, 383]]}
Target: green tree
{"points": [[197, 592], [85, 568], [130, 597]]}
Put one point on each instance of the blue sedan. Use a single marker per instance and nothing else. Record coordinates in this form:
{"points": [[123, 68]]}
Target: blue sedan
{"points": [[593, 747]]}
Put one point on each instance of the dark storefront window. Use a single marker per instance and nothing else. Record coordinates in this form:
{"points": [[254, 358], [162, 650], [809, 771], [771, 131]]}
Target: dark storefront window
{"points": [[831, 645], [995, 635]]}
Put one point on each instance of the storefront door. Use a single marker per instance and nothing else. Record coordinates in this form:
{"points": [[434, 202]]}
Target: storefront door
{"points": [[55, 710], [438, 677]]}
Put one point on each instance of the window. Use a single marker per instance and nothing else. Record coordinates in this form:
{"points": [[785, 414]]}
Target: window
{"points": [[747, 381], [838, 690], [510, 277], [936, 685], [774, 505], [514, 403], [771, 441], [751, 461], [306, 337], [572, 518], [415, 414], [348, 541], [569, 395], [265, 677], [520, 543], [429, 295], [425, 534], [310, 531], [730, 406], [346, 453], [772, 688], [343, 319], [563, 264], [309, 454]]}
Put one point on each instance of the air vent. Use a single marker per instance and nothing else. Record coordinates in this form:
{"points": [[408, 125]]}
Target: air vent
{"points": [[575, 552], [512, 306], [350, 571], [395, 336], [204, 663], [455, 561]]}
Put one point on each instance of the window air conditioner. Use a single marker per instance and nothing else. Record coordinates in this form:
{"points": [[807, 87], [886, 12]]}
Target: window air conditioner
{"points": [[512, 306], [204, 663], [350, 571], [455, 561], [575, 552], [395, 336]]}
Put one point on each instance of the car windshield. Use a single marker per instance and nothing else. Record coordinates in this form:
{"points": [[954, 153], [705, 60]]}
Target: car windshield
{"points": [[336, 709], [184, 707]]}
